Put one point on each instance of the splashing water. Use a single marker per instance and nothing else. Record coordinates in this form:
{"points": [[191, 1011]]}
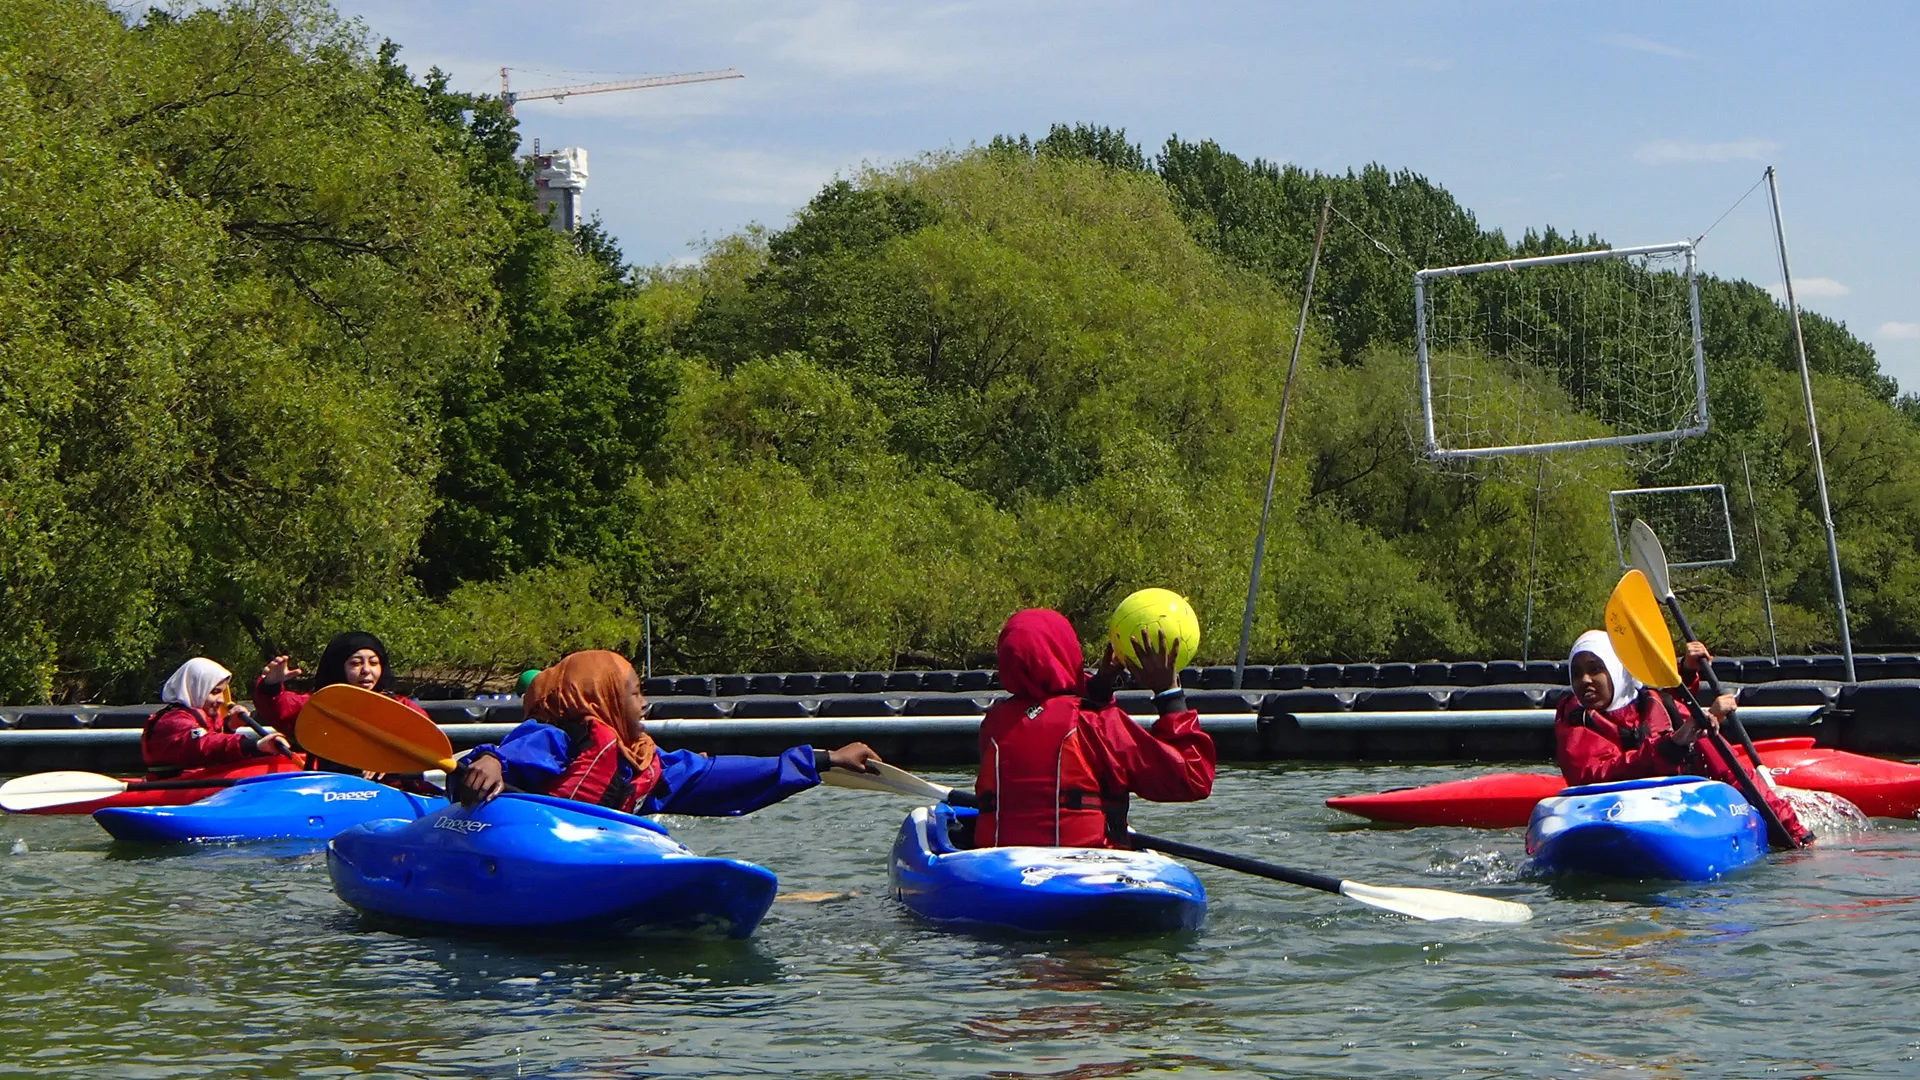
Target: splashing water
{"points": [[1482, 867], [1827, 814]]}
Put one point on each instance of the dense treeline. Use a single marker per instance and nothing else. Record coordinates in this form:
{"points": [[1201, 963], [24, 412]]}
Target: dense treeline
{"points": [[1261, 216], [284, 347]]}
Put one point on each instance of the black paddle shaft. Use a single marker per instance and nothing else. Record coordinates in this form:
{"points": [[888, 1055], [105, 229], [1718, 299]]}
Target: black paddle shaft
{"points": [[1237, 862], [1713, 679], [263, 732], [1776, 830]]}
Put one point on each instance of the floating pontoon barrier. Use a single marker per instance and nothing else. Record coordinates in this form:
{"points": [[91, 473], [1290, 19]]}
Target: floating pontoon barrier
{"points": [[907, 720]]}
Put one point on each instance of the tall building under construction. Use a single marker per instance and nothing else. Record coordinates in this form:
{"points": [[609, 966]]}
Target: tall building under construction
{"points": [[559, 181], [560, 177]]}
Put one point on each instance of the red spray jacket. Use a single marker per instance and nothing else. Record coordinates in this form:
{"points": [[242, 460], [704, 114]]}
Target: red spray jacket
{"points": [[178, 738], [1057, 770]]}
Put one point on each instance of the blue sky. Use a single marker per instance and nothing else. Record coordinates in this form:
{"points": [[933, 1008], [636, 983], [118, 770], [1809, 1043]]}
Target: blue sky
{"points": [[1642, 122]]}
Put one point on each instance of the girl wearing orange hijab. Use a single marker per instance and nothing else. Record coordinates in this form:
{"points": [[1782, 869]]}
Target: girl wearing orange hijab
{"points": [[583, 740]]}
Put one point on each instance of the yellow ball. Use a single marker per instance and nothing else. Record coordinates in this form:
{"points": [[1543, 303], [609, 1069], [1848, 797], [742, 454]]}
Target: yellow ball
{"points": [[1153, 611]]}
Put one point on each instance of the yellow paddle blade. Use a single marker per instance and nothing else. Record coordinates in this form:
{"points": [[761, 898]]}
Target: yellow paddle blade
{"points": [[371, 731], [1639, 632]]}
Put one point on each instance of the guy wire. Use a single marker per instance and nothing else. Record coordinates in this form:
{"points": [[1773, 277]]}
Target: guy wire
{"points": [[1730, 209], [1384, 249]]}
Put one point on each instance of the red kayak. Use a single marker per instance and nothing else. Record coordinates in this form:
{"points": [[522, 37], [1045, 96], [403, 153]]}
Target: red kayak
{"points": [[1495, 801], [1880, 788], [179, 796]]}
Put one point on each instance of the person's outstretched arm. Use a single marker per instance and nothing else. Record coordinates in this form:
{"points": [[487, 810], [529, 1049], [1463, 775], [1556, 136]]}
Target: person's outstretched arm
{"points": [[727, 785]]}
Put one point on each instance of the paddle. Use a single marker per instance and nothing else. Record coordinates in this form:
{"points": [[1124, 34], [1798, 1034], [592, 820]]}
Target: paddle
{"points": [[1429, 904], [1632, 613], [1645, 554], [25, 794], [285, 751], [897, 781], [371, 731]]}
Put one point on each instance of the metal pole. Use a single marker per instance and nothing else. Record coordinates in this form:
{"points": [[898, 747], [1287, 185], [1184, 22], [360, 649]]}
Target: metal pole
{"points": [[1699, 340], [1813, 431], [649, 645], [1279, 433], [1533, 561], [1766, 593]]}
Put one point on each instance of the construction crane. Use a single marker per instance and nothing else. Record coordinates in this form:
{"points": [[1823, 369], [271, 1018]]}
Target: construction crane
{"points": [[562, 93], [560, 177]]}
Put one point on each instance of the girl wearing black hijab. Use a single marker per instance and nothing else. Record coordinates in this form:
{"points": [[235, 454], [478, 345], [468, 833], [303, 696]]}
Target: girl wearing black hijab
{"points": [[356, 658]]}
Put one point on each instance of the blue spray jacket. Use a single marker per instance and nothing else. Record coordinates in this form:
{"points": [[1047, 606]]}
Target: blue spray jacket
{"points": [[535, 754]]}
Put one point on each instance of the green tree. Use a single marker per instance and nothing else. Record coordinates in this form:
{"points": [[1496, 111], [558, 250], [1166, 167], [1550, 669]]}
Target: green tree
{"points": [[220, 368]]}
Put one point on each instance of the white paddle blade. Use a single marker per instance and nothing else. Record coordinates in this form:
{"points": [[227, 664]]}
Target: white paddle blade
{"points": [[1436, 904], [853, 781], [1645, 554], [887, 778], [906, 781], [25, 794]]}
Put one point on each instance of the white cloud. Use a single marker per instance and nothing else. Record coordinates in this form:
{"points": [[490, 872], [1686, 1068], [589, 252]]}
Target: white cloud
{"points": [[753, 176], [767, 180], [848, 40], [1640, 44], [1900, 331], [1684, 152], [1815, 287]]}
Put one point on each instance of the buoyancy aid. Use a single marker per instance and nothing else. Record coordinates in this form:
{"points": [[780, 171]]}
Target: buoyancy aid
{"points": [[599, 744], [171, 748], [1038, 784]]}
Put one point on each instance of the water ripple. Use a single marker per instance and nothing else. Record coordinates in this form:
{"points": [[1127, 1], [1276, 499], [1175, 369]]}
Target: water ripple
{"points": [[239, 962]]}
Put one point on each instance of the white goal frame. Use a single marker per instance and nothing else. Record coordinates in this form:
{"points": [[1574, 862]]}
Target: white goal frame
{"points": [[1726, 516], [1444, 453]]}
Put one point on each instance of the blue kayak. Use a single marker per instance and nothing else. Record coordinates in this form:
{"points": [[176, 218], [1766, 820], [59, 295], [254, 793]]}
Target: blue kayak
{"points": [[534, 866], [277, 806], [1039, 890], [1670, 828]]}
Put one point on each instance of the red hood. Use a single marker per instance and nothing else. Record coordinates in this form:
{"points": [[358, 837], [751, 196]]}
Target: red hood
{"points": [[1040, 656]]}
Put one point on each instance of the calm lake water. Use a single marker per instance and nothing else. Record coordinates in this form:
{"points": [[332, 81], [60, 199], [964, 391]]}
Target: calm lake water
{"points": [[239, 962]]}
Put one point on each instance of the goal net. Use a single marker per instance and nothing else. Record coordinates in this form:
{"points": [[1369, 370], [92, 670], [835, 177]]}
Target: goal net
{"points": [[1692, 521], [1561, 352]]}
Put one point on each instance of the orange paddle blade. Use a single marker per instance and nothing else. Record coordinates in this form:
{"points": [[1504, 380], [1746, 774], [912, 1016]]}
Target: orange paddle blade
{"points": [[371, 731], [1632, 616]]}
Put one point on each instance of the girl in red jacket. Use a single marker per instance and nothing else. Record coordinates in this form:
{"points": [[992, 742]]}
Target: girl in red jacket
{"points": [[194, 728], [1613, 728], [1058, 760], [356, 658]]}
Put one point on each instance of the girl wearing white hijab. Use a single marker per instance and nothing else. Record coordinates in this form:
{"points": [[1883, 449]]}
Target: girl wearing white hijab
{"points": [[1613, 728], [191, 730]]}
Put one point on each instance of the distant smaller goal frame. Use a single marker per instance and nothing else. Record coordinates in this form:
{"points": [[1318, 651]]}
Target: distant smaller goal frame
{"points": [[1726, 517], [1443, 453]]}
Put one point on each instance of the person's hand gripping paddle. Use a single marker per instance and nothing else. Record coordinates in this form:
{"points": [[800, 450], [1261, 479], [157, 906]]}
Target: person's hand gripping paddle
{"points": [[1645, 554], [1632, 615]]}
